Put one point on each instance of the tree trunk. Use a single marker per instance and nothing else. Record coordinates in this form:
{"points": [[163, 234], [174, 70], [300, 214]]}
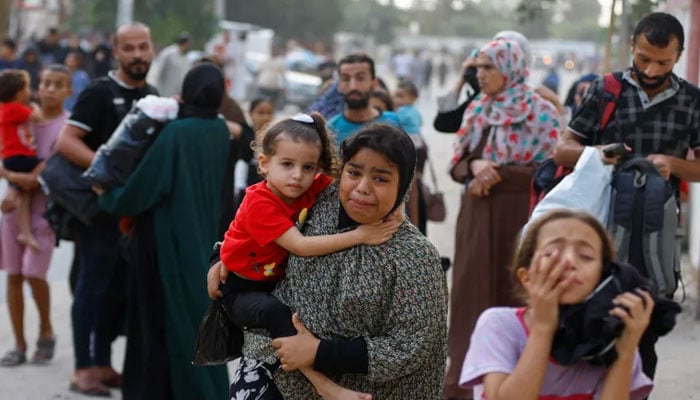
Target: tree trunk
{"points": [[625, 36], [5, 11], [608, 45]]}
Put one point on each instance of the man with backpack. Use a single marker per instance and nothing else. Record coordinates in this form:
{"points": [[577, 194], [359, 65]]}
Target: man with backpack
{"points": [[100, 291], [655, 116]]}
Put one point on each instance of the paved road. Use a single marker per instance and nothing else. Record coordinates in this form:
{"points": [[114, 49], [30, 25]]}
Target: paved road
{"points": [[677, 376]]}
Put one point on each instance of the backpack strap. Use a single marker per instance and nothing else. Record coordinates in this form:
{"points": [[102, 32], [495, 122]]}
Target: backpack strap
{"points": [[612, 87], [651, 250]]}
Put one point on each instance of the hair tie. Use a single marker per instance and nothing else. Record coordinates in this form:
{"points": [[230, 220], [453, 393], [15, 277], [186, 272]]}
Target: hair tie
{"points": [[305, 118]]}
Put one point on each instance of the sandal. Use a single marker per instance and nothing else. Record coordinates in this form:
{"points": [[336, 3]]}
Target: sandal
{"points": [[44, 350], [95, 389], [114, 381], [13, 358]]}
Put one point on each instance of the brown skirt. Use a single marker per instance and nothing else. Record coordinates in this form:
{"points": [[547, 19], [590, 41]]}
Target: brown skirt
{"points": [[481, 275]]}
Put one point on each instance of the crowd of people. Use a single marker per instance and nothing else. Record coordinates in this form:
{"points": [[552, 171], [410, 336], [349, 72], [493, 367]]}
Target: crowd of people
{"points": [[318, 222]]}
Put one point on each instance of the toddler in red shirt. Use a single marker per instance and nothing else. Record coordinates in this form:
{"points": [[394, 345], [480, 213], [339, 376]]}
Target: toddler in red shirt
{"points": [[293, 156], [18, 147]]}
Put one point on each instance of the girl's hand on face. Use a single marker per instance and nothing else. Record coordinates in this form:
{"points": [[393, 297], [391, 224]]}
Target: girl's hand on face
{"points": [[634, 309], [298, 351], [545, 284]]}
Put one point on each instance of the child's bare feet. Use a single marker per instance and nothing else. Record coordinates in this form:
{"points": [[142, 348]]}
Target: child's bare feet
{"points": [[340, 393], [29, 241]]}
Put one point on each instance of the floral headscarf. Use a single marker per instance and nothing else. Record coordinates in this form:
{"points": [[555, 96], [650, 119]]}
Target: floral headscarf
{"points": [[524, 126]]}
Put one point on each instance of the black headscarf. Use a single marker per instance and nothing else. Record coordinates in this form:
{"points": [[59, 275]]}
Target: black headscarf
{"points": [[202, 91]]}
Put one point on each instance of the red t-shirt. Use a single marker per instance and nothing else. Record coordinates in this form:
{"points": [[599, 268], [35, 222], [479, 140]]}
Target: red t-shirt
{"points": [[249, 247], [17, 139]]}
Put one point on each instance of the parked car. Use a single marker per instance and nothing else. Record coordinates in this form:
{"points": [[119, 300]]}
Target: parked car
{"points": [[302, 89]]}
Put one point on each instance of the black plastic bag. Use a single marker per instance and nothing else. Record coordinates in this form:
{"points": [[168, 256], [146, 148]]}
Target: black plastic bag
{"points": [[64, 184], [219, 340], [115, 160]]}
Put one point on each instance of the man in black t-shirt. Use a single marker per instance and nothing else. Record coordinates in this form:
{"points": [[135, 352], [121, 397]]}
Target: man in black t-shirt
{"points": [[101, 268]]}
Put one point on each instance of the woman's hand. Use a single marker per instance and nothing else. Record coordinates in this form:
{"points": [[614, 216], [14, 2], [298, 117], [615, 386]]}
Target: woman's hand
{"points": [[98, 190], [486, 168], [298, 351], [485, 175], [634, 309], [545, 282], [214, 278]]}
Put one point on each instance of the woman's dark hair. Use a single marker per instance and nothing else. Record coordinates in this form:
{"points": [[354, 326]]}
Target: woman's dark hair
{"points": [[393, 144], [383, 96], [11, 82], [257, 101], [659, 28], [525, 252], [314, 133]]}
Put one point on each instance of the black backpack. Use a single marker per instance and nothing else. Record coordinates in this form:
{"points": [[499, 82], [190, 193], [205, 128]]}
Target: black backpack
{"points": [[644, 216]]}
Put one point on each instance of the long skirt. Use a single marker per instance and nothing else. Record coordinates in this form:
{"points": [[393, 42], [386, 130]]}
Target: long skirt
{"points": [[487, 230]]}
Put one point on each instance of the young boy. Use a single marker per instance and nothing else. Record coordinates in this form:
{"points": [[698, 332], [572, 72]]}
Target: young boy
{"points": [[21, 263], [405, 95], [18, 147]]}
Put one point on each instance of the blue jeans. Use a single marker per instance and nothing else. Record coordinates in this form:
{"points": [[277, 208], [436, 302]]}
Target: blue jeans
{"points": [[98, 288]]}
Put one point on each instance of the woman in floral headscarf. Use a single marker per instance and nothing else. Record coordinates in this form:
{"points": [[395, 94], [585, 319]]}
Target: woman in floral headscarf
{"points": [[506, 131]]}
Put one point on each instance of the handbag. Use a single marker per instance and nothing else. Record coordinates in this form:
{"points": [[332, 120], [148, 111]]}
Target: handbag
{"points": [[434, 201], [219, 340], [64, 184]]}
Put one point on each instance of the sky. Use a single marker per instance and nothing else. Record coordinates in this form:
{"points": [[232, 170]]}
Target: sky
{"points": [[604, 17]]}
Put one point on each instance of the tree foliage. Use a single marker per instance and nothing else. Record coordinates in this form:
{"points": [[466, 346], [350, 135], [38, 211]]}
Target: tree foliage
{"points": [[305, 20], [5, 9], [372, 18], [166, 18]]}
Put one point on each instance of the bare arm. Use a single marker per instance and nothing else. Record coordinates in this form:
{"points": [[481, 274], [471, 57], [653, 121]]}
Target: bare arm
{"points": [[568, 149], [551, 97], [235, 129], [687, 170], [544, 287], [71, 145], [310, 246], [36, 115]]}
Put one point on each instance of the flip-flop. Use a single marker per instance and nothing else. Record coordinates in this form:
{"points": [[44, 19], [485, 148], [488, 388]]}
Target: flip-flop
{"points": [[44, 350], [96, 390], [13, 358]]}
